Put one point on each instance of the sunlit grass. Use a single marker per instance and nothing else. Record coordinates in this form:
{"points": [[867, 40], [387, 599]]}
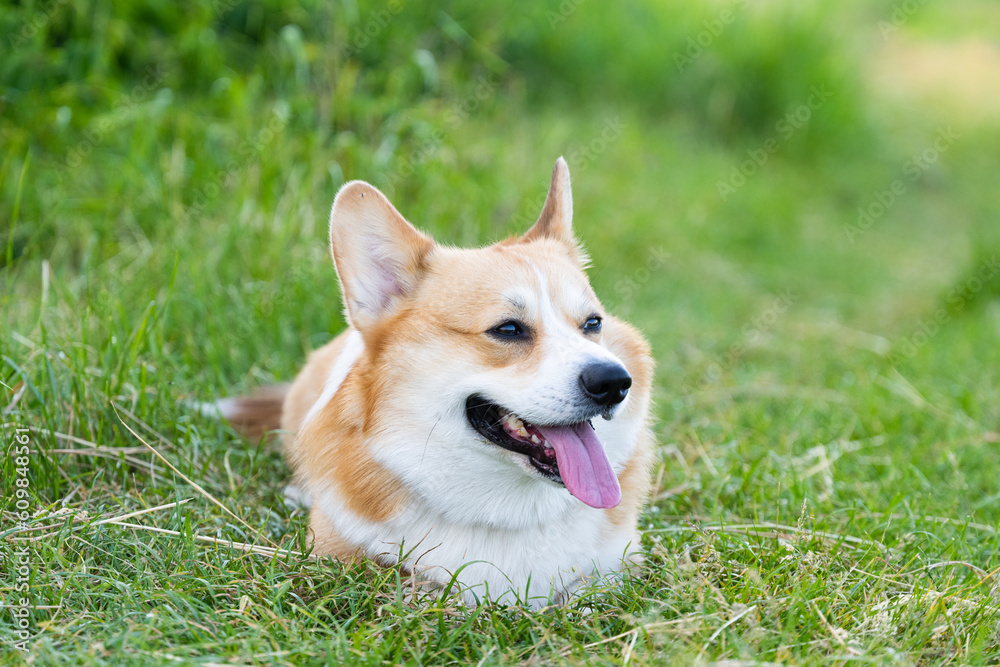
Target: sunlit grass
{"points": [[826, 480]]}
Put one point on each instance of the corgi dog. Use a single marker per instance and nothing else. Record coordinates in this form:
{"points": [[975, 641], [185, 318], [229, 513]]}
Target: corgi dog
{"points": [[483, 421]]}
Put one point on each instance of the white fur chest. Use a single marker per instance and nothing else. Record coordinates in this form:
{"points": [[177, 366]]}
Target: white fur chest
{"points": [[538, 565]]}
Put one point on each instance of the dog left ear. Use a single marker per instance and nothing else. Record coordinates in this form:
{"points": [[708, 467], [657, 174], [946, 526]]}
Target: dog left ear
{"points": [[556, 219], [379, 256]]}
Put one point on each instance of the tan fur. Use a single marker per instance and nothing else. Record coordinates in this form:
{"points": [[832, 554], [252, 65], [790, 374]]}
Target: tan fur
{"points": [[333, 449], [306, 389], [326, 541], [635, 480], [332, 446], [419, 310], [260, 413]]}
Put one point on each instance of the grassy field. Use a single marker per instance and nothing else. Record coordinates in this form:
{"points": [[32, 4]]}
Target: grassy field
{"points": [[797, 211]]}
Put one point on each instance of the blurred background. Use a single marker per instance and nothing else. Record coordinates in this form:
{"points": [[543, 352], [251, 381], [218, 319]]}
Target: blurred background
{"points": [[797, 202]]}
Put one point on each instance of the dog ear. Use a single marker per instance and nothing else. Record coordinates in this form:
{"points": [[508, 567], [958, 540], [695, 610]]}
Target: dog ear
{"points": [[379, 256], [556, 220]]}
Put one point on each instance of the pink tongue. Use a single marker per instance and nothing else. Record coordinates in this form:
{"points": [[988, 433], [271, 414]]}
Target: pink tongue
{"points": [[583, 465]]}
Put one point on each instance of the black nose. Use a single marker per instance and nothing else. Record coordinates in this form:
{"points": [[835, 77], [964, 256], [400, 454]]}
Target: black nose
{"points": [[605, 383]]}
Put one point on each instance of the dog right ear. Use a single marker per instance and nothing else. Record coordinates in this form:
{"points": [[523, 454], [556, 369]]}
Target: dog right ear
{"points": [[379, 256], [556, 219]]}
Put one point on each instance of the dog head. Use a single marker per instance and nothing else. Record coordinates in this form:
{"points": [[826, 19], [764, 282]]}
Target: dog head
{"points": [[491, 373]]}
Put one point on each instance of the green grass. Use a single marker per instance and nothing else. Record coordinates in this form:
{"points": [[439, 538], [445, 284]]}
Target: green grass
{"points": [[828, 410]]}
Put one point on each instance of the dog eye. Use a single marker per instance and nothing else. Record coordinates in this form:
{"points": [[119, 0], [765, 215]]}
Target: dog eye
{"points": [[592, 324], [509, 329]]}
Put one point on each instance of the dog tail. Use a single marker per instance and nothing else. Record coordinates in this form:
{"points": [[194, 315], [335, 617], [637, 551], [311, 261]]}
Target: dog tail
{"points": [[252, 416]]}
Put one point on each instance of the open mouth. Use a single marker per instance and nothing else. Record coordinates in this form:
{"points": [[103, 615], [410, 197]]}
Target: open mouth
{"points": [[570, 454], [504, 428]]}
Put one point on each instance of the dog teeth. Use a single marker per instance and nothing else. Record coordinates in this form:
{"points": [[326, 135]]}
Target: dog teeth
{"points": [[514, 422], [516, 426]]}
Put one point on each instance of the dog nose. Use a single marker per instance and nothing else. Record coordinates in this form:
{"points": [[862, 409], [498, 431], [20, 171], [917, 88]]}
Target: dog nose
{"points": [[605, 383]]}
